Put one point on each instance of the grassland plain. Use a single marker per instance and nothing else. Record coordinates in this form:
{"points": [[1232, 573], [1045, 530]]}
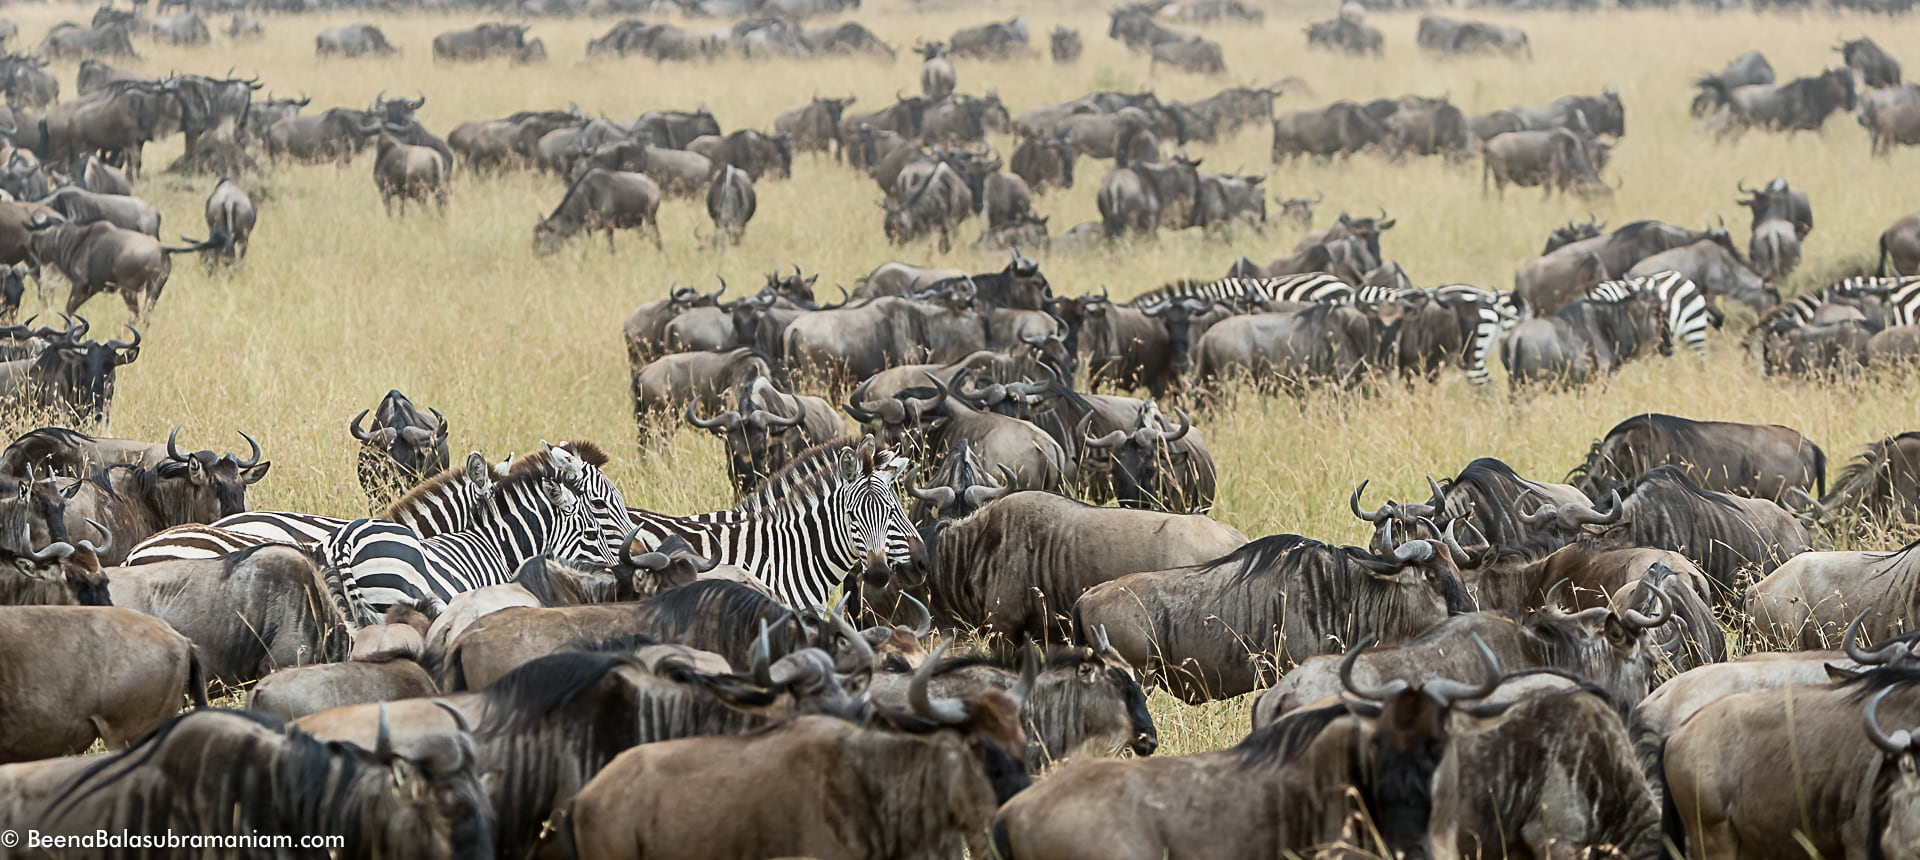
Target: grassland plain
{"points": [[339, 303]]}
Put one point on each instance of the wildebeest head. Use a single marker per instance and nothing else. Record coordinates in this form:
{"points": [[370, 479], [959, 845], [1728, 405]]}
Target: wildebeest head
{"points": [[989, 720], [194, 479], [1367, 230], [754, 437], [1408, 741], [1091, 697], [396, 111], [1146, 465], [415, 444], [1571, 233], [13, 289], [1299, 210], [796, 288], [80, 375], [961, 485], [59, 574]]}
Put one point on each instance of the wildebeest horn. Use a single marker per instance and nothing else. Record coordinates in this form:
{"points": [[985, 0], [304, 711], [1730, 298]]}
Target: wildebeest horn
{"points": [[979, 495], [943, 711], [626, 547], [1584, 515], [117, 345], [938, 497], [1850, 642], [1113, 439], [1543, 515], [1741, 186], [173, 452], [769, 419], [1448, 691], [460, 720], [922, 627], [253, 459], [1374, 694], [57, 550], [762, 656], [728, 419], [383, 736], [1662, 610], [355, 428], [716, 293], [106, 539], [1353, 502], [862, 652], [1896, 743], [1414, 552], [1186, 426]]}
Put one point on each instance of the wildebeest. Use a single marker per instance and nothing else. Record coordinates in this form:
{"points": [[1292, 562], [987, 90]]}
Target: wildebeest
{"points": [[936, 71], [1197, 55], [336, 134], [950, 762], [1221, 628], [814, 127], [102, 258], [1891, 125], [74, 379], [760, 155], [1900, 247], [998, 40], [1557, 159], [479, 43], [1003, 569], [1802, 104], [120, 119], [244, 26], [1065, 45], [1748, 69], [403, 447], [1810, 598], [384, 665], [26, 82], [137, 500], [1341, 128], [730, 203], [352, 40], [222, 770], [1877, 68], [230, 220], [185, 28], [1323, 343], [665, 386], [70, 40], [1446, 36], [138, 671], [128, 213], [938, 205], [1044, 162], [405, 172], [1347, 34], [1766, 461], [1882, 484], [601, 200], [1585, 339]]}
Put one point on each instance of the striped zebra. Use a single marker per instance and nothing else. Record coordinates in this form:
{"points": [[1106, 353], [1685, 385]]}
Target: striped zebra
{"points": [[1495, 312], [831, 513], [1901, 296], [532, 510], [1245, 292], [1687, 313]]}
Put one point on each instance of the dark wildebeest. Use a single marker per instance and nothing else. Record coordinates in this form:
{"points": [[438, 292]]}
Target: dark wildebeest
{"points": [[1900, 246], [1347, 34], [944, 768], [403, 447], [68, 40], [1154, 465], [1766, 461], [1585, 339], [1546, 283], [1065, 45], [138, 671], [101, 258], [1881, 484], [262, 114], [1555, 160], [128, 213], [1341, 128], [1323, 343], [938, 205], [1664, 509], [336, 134], [352, 40], [121, 119], [230, 220], [1044, 162], [480, 43], [26, 82], [601, 200], [137, 500], [936, 71], [814, 127], [1602, 114], [998, 40], [230, 771], [964, 119], [760, 155], [1802, 104], [72, 379], [1748, 69], [1198, 632], [405, 172], [730, 203], [1877, 68], [1196, 55]]}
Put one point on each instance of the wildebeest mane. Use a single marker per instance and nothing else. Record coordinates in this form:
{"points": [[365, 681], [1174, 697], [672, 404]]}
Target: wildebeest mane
{"points": [[1277, 743], [1255, 558], [728, 611], [535, 575], [1868, 463], [1672, 476], [1629, 232], [1892, 676], [536, 690]]}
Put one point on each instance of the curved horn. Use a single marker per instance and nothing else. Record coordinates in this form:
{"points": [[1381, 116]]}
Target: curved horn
{"points": [[106, 539], [383, 736], [942, 711], [626, 547], [1448, 691], [355, 429], [727, 420], [773, 420], [1186, 426], [253, 459], [1893, 744], [1584, 515], [173, 453], [1544, 515], [925, 625], [1662, 610], [1885, 653], [938, 497], [52, 551], [1414, 552], [1374, 694], [862, 658], [460, 720], [1113, 439], [1353, 502]]}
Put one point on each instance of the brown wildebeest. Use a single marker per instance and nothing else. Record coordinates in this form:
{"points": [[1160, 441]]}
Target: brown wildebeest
{"points": [[384, 665], [135, 668], [601, 200], [1764, 461], [59, 574], [408, 172], [101, 258], [913, 784], [731, 202], [230, 220]]}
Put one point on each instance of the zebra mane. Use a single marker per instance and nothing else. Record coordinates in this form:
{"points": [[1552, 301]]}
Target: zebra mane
{"points": [[810, 471], [434, 485], [530, 469], [588, 452]]}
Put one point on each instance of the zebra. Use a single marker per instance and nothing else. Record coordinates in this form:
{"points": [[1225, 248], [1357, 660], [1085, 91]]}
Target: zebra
{"points": [[532, 510], [831, 513], [1496, 312], [1900, 295], [1307, 288], [1688, 314]]}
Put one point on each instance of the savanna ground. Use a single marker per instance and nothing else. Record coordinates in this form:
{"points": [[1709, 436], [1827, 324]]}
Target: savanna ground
{"points": [[339, 303]]}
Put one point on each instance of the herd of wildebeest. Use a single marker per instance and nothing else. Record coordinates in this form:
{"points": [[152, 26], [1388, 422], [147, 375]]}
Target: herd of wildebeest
{"points": [[507, 660]]}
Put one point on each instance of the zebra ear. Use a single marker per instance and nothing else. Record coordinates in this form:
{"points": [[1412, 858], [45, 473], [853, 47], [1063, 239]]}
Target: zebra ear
{"points": [[849, 466], [477, 468]]}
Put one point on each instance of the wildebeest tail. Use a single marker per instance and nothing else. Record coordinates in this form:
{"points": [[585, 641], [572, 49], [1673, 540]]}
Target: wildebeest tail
{"points": [[212, 243], [1820, 471], [196, 677]]}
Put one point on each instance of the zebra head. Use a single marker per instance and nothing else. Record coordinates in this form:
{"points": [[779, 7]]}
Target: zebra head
{"points": [[578, 465], [876, 524]]}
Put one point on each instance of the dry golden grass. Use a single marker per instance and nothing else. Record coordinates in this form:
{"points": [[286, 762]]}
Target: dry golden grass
{"points": [[339, 303]]}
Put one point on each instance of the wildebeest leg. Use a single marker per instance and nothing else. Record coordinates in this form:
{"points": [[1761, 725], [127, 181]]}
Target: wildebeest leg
{"points": [[76, 296], [610, 249], [653, 226]]}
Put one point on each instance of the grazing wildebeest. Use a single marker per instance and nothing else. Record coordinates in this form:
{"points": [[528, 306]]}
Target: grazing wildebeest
{"points": [[1585, 339], [998, 40], [137, 671], [1748, 69], [1183, 628], [730, 203], [1341, 128], [403, 447], [1555, 160], [1877, 68], [1802, 104], [71, 41], [230, 220], [601, 200], [1198, 55], [336, 134], [1881, 484], [102, 258], [128, 213], [1808, 600], [1323, 343], [352, 40], [479, 43], [1765, 461], [405, 172]]}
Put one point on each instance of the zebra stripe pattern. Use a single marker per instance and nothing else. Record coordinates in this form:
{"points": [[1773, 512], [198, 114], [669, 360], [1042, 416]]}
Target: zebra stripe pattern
{"points": [[531, 511], [443, 503], [1687, 316], [1242, 292], [829, 514], [1901, 296]]}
